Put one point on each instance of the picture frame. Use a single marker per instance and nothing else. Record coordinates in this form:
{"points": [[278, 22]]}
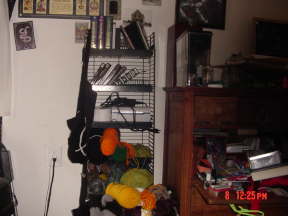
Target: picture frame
{"points": [[152, 2], [81, 29], [24, 35], [201, 13], [59, 7], [66, 9], [113, 8]]}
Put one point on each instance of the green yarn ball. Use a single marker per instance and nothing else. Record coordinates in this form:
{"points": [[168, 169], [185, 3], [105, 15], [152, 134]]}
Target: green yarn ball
{"points": [[120, 154], [142, 151], [137, 178]]}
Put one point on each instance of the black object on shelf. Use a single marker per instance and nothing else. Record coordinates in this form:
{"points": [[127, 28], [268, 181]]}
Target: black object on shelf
{"points": [[127, 125], [125, 53]]}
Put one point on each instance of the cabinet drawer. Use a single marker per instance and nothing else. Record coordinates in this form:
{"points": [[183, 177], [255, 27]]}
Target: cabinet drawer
{"points": [[263, 112], [215, 112]]}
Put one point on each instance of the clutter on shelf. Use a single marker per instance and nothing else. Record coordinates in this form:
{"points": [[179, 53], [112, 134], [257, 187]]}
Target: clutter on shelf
{"points": [[241, 165]]}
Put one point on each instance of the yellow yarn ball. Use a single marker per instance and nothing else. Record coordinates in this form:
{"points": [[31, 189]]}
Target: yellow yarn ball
{"points": [[126, 196]]}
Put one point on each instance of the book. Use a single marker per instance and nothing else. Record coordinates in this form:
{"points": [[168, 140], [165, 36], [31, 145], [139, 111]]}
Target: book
{"points": [[123, 42], [117, 39], [101, 73], [117, 73], [143, 34], [94, 31], [133, 31], [270, 172], [109, 32], [127, 38], [109, 74], [101, 32], [97, 73], [127, 76]]}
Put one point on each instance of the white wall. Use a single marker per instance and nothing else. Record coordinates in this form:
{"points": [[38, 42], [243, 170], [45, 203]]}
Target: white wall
{"points": [[45, 90]]}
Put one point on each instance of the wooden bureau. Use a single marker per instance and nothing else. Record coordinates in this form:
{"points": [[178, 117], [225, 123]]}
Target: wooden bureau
{"points": [[191, 108]]}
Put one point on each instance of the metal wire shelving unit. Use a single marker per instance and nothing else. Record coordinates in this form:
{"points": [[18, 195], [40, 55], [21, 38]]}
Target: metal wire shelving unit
{"points": [[141, 88]]}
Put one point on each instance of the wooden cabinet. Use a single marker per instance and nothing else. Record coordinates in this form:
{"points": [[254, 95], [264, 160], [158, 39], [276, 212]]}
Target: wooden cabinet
{"points": [[193, 108]]}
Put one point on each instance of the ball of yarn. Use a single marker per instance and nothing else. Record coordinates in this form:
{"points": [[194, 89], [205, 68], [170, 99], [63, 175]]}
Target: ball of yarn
{"points": [[110, 132], [109, 141], [120, 154], [142, 151], [126, 196], [148, 200], [160, 191], [137, 178]]}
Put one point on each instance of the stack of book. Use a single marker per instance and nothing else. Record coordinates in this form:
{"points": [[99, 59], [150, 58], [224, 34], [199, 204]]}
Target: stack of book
{"points": [[116, 74], [135, 36], [270, 172], [102, 32]]}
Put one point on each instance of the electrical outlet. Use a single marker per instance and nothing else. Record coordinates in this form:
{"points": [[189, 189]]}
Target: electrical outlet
{"points": [[55, 153]]}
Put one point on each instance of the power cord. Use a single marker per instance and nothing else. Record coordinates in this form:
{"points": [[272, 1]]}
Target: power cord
{"points": [[126, 102], [49, 191]]}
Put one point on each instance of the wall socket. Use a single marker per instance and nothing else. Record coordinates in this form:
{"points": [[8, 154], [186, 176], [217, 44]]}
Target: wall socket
{"points": [[55, 152]]}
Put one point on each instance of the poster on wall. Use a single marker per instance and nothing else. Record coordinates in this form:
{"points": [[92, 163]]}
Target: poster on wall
{"points": [[201, 13], [24, 35], [69, 9]]}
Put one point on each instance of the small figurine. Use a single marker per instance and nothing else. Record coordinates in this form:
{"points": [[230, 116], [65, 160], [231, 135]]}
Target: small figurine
{"points": [[138, 17]]}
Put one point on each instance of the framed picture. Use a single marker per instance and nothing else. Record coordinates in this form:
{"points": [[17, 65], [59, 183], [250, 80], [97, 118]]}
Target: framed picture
{"points": [[60, 7], [70, 9], [113, 8], [81, 29], [152, 2], [201, 13], [41, 6], [24, 35]]}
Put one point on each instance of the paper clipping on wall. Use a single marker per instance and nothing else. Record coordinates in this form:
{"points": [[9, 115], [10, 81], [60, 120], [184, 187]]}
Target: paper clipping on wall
{"points": [[152, 2], [81, 31]]}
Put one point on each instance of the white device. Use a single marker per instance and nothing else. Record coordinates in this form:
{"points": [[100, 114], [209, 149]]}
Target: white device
{"points": [[122, 114], [102, 114]]}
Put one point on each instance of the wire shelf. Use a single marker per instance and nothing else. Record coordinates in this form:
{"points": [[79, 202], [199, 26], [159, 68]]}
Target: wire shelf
{"points": [[141, 88]]}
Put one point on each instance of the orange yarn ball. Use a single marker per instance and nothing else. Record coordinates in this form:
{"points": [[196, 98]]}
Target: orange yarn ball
{"points": [[110, 132], [109, 141], [148, 200]]}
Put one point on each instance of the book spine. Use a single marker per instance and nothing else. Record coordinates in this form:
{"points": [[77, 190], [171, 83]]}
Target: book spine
{"points": [[121, 79], [102, 74], [112, 74], [101, 32], [109, 32], [94, 31], [96, 75], [127, 38], [119, 72], [123, 42], [143, 35], [117, 39], [127, 76]]}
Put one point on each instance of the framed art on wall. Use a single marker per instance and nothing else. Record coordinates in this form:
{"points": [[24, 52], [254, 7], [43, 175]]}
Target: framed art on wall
{"points": [[69, 9], [24, 35], [113, 8], [201, 13]]}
